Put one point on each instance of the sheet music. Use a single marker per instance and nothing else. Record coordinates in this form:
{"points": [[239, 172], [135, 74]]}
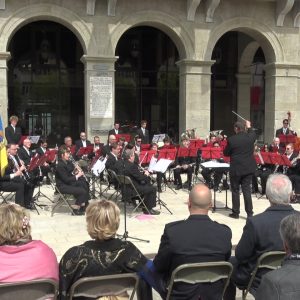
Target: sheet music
{"points": [[158, 138], [214, 164], [34, 139], [99, 166], [162, 165], [152, 163]]}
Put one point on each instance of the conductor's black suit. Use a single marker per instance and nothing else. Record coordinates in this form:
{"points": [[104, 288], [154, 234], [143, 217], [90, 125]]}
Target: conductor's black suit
{"points": [[197, 239], [240, 148]]}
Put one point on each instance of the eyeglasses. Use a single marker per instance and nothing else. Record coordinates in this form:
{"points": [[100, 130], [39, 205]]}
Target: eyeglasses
{"points": [[286, 123]]}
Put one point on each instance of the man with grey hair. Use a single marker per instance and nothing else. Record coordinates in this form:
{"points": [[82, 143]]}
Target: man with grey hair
{"points": [[261, 234], [141, 181], [284, 282], [196, 239]]}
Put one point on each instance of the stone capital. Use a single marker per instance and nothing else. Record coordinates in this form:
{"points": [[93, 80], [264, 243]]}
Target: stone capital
{"points": [[200, 67], [99, 63]]}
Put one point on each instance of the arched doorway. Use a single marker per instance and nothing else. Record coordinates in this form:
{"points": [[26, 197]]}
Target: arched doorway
{"points": [[147, 81], [238, 82], [45, 81]]}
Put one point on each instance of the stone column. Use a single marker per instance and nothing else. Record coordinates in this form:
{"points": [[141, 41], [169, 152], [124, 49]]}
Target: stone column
{"points": [[194, 96], [4, 57], [243, 94], [282, 86], [99, 78]]}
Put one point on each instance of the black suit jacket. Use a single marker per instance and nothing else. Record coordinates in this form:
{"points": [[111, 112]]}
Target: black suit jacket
{"points": [[260, 235], [145, 138], [112, 132], [40, 151], [63, 175], [280, 132], [197, 239], [13, 137], [23, 155], [240, 148], [78, 145], [111, 161]]}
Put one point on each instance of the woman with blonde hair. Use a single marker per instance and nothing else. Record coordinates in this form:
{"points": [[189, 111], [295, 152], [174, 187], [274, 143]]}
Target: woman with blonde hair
{"points": [[21, 257], [104, 254]]}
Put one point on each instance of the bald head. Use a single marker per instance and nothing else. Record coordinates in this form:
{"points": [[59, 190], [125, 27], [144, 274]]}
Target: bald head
{"points": [[200, 198]]}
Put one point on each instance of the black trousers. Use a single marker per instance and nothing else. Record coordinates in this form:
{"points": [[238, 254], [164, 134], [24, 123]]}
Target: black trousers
{"points": [[179, 171], [79, 190], [295, 179], [13, 186], [149, 193], [245, 182]]}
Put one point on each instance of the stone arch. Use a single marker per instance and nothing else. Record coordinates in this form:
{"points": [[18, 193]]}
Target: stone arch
{"points": [[261, 33], [247, 57], [158, 20], [46, 12]]}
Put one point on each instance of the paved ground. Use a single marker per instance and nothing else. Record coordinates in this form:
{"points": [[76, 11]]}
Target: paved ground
{"points": [[63, 230]]}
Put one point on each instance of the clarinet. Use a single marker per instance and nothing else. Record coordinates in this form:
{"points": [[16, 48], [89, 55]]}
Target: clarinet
{"points": [[76, 166]]}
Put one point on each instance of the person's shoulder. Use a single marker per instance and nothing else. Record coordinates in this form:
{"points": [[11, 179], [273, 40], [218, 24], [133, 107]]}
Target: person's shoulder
{"points": [[42, 246], [174, 224], [223, 227]]}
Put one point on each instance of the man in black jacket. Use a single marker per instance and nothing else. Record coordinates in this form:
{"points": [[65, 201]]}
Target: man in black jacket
{"points": [[196, 239], [141, 181], [13, 132], [261, 234], [240, 148], [115, 130], [143, 132]]}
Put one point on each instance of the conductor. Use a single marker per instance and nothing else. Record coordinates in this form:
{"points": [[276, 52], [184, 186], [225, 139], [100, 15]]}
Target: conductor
{"points": [[240, 148]]}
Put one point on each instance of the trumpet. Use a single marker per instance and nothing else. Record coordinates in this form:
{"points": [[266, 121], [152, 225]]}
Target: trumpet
{"points": [[76, 166]]}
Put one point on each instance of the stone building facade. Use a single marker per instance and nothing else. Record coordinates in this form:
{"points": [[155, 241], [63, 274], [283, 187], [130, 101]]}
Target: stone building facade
{"points": [[195, 27]]}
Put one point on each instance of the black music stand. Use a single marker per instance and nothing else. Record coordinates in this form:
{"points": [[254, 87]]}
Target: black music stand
{"points": [[168, 153], [125, 235], [40, 162]]}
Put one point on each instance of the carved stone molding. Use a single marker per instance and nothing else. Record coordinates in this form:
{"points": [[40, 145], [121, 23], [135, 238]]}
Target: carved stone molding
{"points": [[90, 7], [192, 6], [111, 7], [211, 6], [282, 9]]}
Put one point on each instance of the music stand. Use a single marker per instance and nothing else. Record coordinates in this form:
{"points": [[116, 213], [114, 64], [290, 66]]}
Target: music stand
{"points": [[168, 153], [287, 139], [40, 162], [84, 151], [126, 136]]}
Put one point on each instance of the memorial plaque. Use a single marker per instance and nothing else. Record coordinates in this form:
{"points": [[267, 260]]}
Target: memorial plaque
{"points": [[101, 96]]}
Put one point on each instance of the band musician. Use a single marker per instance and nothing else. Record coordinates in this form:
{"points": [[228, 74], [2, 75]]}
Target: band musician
{"points": [[276, 147], [285, 130], [143, 132], [240, 148], [141, 181], [45, 169], [70, 180], [13, 132], [83, 142], [184, 164], [16, 179], [116, 129]]}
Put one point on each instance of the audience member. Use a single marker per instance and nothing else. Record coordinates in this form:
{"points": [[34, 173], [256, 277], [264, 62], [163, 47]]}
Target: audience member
{"points": [[21, 257], [104, 254], [284, 282], [12, 131], [196, 239], [261, 234]]}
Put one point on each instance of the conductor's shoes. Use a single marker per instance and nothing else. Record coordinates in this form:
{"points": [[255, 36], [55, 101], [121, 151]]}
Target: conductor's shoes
{"points": [[234, 216], [151, 212]]}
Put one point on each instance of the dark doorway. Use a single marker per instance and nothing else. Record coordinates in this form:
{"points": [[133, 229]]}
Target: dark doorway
{"points": [[227, 54], [45, 81], [147, 81]]}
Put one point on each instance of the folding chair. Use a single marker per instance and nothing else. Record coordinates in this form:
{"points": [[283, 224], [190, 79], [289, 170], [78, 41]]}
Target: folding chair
{"points": [[7, 197], [29, 290], [113, 178], [62, 198], [127, 182], [196, 273], [269, 260], [109, 285]]}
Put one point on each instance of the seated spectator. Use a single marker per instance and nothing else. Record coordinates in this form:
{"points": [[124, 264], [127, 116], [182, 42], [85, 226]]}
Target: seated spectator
{"points": [[196, 239], [22, 258], [284, 282], [104, 254], [260, 235]]}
